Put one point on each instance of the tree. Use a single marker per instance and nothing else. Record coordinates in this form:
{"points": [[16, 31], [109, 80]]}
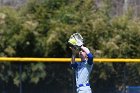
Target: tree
{"points": [[42, 28]]}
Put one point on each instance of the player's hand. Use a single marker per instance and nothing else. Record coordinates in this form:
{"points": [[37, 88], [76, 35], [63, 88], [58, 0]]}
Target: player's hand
{"points": [[73, 50], [85, 49]]}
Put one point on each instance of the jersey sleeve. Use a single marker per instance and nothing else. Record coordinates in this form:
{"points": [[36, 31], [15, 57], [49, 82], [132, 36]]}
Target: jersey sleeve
{"points": [[74, 65], [90, 58]]}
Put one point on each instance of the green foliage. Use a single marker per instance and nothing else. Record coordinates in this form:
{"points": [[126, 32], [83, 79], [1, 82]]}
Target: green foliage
{"points": [[41, 28]]}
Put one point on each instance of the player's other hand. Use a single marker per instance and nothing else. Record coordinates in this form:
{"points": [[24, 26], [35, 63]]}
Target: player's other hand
{"points": [[73, 50], [85, 49]]}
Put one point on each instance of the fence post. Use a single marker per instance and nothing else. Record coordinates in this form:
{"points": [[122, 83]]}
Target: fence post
{"points": [[20, 77]]}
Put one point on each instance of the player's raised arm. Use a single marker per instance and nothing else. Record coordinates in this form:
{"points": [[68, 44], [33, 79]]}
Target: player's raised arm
{"points": [[73, 55], [73, 63], [89, 55]]}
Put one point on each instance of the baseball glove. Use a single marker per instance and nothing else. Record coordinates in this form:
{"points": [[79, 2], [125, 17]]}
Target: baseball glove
{"points": [[76, 40]]}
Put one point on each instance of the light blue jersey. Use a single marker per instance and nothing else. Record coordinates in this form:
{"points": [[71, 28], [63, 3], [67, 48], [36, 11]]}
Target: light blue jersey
{"points": [[82, 73]]}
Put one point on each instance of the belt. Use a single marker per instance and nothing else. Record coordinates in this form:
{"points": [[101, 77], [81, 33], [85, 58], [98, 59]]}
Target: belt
{"points": [[82, 85]]}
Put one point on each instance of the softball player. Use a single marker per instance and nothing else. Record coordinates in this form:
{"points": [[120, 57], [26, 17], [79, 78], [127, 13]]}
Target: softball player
{"points": [[82, 69]]}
